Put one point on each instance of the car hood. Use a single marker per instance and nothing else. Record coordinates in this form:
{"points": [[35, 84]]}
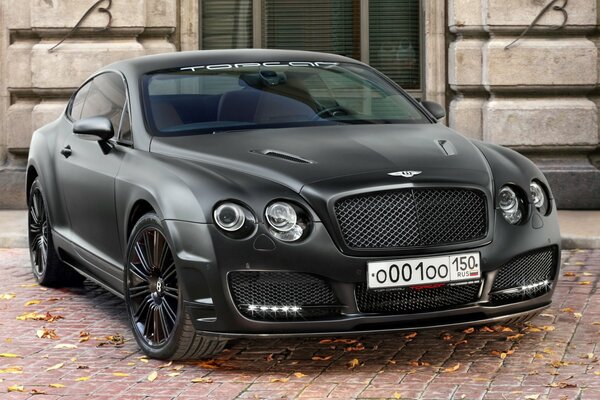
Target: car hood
{"points": [[299, 157]]}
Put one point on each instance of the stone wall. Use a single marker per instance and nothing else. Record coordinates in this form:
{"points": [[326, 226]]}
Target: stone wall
{"points": [[539, 96], [35, 84]]}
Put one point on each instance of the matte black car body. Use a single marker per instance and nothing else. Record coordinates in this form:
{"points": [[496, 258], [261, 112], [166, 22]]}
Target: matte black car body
{"points": [[95, 195]]}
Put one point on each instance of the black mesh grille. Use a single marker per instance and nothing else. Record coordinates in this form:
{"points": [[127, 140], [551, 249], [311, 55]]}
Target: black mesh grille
{"points": [[410, 300], [282, 289], [412, 217], [527, 269]]}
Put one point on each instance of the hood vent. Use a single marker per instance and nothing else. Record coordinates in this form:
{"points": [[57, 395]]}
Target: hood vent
{"points": [[283, 156], [447, 147]]}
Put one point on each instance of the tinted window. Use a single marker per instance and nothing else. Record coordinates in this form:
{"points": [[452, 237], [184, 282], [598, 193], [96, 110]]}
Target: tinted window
{"points": [[106, 98], [205, 99], [79, 100]]}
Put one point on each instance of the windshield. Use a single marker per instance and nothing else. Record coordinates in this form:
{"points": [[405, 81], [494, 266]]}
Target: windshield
{"points": [[225, 97]]}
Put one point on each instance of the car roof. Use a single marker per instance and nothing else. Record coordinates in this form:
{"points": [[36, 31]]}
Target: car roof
{"points": [[145, 64]]}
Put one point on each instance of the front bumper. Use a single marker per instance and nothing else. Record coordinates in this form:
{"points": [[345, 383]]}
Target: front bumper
{"points": [[206, 258]]}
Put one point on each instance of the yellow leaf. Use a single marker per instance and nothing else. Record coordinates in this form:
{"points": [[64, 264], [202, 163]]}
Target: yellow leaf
{"points": [[577, 315], [120, 374], [567, 310], [65, 346], [548, 328], [56, 366], [397, 395], [32, 302], [587, 274], [410, 336], [353, 363], [585, 283], [11, 370], [45, 333], [173, 374], [514, 338], [469, 330], [16, 388], [533, 329], [538, 356], [31, 316], [452, 369], [167, 365], [152, 376], [569, 273], [130, 364], [299, 375], [29, 285], [9, 355], [7, 296], [206, 380], [144, 360], [486, 329], [56, 385], [273, 380], [532, 397], [596, 372], [83, 378]]}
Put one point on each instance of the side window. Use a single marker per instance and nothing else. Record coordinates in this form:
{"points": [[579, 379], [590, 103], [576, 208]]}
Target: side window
{"points": [[78, 101], [106, 98], [125, 129]]}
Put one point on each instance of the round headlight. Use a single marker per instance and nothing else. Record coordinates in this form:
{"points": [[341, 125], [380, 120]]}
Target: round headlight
{"points": [[281, 216], [510, 205], [229, 216], [538, 196], [286, 221]]}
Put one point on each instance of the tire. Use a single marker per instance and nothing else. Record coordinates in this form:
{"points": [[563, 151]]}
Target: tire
{"points": [[47, 267], [159, 321]]}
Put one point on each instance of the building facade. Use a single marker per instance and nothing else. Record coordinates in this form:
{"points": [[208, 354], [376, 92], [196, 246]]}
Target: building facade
{"points": [[539, 95]]}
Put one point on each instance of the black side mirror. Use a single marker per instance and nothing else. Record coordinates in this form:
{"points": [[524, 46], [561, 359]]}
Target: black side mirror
{"points": [[435, 109], [94, 128]]}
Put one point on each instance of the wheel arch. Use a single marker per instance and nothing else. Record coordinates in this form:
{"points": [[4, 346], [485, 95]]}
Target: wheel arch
{"points": [[31, 175], [139, 208]]}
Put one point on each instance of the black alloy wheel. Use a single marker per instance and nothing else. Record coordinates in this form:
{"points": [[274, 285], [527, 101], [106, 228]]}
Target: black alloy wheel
{"points": [[152, 287], [38, 232], [159, 321]]}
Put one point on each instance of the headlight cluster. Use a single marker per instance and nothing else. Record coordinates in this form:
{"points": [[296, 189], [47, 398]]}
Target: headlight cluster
{"points": [[286, 221], [511, 202]]}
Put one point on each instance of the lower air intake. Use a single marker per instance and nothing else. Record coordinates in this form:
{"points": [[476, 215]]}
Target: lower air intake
{"points": [[282, 295], [410, 300]]}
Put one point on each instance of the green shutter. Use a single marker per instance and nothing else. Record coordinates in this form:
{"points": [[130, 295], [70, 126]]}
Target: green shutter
{"points": [[330, 26], [226, 24], [394, 40]]}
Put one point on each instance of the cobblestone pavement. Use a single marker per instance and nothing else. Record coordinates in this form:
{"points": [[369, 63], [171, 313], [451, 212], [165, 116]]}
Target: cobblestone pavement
{"points": [[553, 358]]}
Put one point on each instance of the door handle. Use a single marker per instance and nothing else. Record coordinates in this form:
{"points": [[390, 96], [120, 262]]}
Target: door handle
{"points": [[66, 151]]}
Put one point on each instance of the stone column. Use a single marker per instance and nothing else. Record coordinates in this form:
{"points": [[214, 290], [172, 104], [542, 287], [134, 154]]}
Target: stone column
{"points": [[538, 96], [35, 84]]}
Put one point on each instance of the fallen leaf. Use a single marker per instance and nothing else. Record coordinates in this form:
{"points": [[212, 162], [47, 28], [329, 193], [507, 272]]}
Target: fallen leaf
{"points": [[464, 341], [532, 397], [65, 346], [558, 363], [31, 316], [353, 363], [83, 378], [539, 356], [120, 374], [45, 333], [167, 365], [321, 358], [548, 328], [273, 380], [585, 283], [299, 375], [9, 355], [567, 310], [84, 336], [36, 391], [410, 336], [358, 347], [502, 354], [397, 395], [29, 285], [577, 315], [210, 364], [469, 330], [177, 367], [454, 368], [56, 385], [16, 388], [130, 364], [51, 318], [589, 356], [55, 366], [173, 374], [533, 329], [269, 357], [596, 372], [486, 329], [446, 336], [11, 370], [83, 367], [562, 385], [569, 273], [7, 296], [419, 364], [152, 376], [514, 338], [113, 340], [587, 274], [32, 303]]}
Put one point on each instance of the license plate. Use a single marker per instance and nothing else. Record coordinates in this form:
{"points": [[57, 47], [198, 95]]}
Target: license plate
{"points": [[423, 271]]}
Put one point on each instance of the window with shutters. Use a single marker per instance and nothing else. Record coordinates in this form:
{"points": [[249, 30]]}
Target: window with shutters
{"points": [[386, 34]]}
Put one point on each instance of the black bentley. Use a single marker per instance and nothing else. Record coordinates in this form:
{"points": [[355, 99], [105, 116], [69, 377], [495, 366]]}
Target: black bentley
{"points": [[244, 193]]}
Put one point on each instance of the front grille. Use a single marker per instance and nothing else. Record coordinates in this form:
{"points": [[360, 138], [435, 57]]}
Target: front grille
{"points": [[412, 218], [527, 269], [411, 300], [312, 294], [525, 273]]}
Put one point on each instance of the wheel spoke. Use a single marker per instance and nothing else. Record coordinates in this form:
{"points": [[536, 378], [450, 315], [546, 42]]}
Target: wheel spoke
{"points": [[138, 291], [163, 323], [147, 251], [141, 254], [147, 323], [144, 305], [134, 269], [169, 312], [157, 324], [169, 272]]}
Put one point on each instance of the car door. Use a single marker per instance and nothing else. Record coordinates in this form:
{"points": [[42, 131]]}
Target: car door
{"points": [[87, 171]]}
